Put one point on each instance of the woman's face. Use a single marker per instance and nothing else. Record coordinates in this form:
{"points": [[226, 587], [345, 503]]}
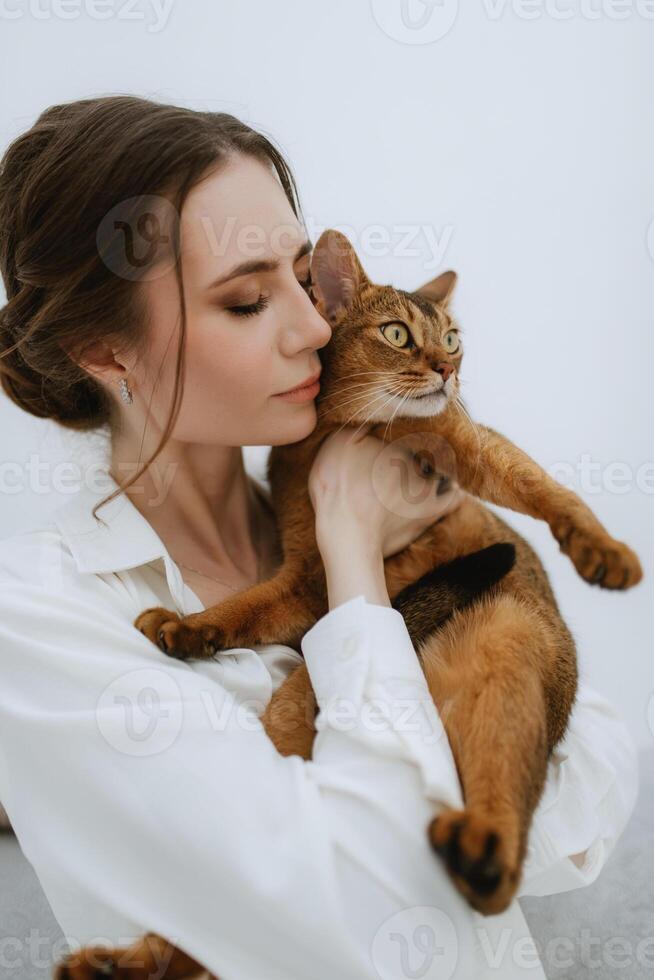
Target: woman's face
{"points": [[237, 360]]}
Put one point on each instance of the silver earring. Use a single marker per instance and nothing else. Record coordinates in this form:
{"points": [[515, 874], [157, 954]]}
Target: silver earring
{"points": [[125, 392]]}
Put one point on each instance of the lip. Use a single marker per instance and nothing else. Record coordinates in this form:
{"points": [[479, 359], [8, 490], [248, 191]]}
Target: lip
{"points": [[426, 394], [307, 383]]}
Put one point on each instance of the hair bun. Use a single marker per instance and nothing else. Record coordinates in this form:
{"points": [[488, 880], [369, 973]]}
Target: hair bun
{"points": [[79, 403]]}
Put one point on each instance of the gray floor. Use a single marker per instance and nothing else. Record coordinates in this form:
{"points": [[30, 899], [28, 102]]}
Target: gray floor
{"points": [[601, 932], [605, 931]]}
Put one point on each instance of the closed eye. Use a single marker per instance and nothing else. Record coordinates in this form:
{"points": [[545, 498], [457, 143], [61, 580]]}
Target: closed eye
{"points": [[251, 309]]}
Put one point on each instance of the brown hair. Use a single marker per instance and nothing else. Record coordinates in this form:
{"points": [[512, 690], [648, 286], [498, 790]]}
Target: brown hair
{"points": [[66, 289]]}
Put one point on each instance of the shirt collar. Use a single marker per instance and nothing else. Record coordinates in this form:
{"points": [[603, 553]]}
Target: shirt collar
{"points": [[119, 538]]}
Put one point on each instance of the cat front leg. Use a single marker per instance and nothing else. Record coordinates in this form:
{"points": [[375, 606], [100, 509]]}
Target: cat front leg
{"points": [[486, 464], [509, 477], [279, 610], [599, 558]]}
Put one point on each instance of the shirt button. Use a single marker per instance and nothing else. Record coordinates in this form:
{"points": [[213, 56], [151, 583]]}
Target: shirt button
{"points": [[349, 647]]}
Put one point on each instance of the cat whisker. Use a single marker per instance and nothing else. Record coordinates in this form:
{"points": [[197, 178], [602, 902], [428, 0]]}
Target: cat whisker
{"points": [[398, 385], [369, 375], [368, 419], [370, 386], [361, 399], [363, 404], [364, 384], [384, 393], [348, 401], [357, 374], [399, 406], [463, 411], [357, 384], [466, 414], [391, 396]]}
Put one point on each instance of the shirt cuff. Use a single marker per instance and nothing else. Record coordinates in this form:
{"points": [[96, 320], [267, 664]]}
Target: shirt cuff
{"points": [[368, 682]]}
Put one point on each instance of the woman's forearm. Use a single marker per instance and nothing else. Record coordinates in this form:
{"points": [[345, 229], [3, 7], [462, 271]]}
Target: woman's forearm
{"points": [[354, 567]]}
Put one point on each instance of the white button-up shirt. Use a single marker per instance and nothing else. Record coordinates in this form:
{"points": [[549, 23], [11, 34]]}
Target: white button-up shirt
{"points": [[148, 797]]}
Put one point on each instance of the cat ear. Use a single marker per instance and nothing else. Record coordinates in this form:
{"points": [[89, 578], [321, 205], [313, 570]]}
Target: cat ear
{"points": [[336, 273], [440, 289]]}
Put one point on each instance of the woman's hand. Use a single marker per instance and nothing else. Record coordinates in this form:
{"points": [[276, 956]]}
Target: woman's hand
{"points": [[372, 493]]}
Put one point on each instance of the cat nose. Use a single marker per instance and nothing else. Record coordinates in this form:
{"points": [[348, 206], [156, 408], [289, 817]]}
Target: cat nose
{"points": [[444, 369]]}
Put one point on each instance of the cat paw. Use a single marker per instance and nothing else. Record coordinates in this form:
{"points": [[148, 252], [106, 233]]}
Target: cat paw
{"points": [[177, 638], [599, 558], [186, 642], [89, 963], [474, 850], [156, 623]]}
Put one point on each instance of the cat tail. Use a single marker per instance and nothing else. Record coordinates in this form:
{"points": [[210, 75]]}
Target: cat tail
{"points": [[429, 601]]}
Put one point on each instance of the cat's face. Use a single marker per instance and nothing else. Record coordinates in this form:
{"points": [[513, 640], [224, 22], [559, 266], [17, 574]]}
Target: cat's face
{"points": [[392, 353]]}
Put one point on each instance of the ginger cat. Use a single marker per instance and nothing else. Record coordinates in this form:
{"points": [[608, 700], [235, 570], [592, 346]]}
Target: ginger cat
{"points": [[487, 629]]}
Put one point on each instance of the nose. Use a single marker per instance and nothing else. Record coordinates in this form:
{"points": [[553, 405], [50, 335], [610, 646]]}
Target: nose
{"points": [[305, 328], [444, 369], [318, 332]]}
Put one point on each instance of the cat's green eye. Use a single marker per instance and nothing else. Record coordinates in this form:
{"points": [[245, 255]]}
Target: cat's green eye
{"points": [[397, 334], [451, 341]]}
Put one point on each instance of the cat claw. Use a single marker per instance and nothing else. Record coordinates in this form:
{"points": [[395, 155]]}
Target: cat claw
{"points": [[186, 642], [599, 558], [474, 851], [151, 623], [177, 638]]}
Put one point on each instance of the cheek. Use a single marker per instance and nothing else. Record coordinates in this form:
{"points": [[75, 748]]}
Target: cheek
{"points": [[232, 371], [227, 385]]}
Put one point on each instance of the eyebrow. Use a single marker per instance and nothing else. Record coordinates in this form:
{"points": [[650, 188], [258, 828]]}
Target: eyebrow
{"points": [[258, 265]]}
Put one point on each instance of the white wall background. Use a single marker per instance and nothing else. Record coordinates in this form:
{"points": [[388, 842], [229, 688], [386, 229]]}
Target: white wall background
{"points": [[518, 136]]}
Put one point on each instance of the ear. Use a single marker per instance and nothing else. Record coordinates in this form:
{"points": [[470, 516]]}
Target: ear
{"points": [[97, 359], [440, 289], [336, 273]]}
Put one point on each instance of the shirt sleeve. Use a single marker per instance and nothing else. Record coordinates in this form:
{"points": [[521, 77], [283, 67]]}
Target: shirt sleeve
{"points": [[142, 787], [589, 796], [592, 778]]}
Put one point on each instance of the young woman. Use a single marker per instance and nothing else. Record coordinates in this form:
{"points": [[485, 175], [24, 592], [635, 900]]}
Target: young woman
{"points": [[156, 269]]}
